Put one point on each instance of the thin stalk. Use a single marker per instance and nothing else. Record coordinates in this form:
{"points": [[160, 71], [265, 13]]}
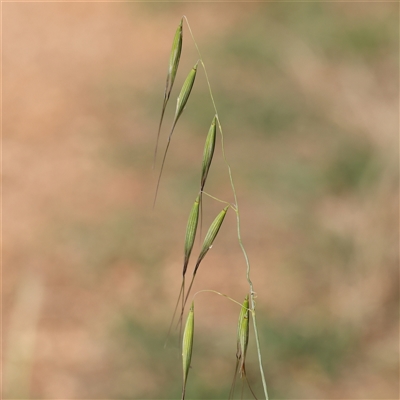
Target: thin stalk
{"points": [[219, 294], [252, 292], [217, 199]]}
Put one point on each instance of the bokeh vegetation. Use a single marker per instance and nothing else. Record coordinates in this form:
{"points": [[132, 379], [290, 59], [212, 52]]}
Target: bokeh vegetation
{"points": [[308, 97]]}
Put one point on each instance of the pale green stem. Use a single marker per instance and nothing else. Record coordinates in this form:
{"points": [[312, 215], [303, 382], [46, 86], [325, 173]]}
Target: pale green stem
{"points": [[217, 199], [219, 294], [252, 292]]}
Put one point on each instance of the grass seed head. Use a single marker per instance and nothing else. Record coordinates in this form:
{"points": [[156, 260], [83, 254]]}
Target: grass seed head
{"points": [[191, 232], [172, 70], [211, 235], [208, 151], [185, 92], [180, 105], [175, 57], [187, 347]]}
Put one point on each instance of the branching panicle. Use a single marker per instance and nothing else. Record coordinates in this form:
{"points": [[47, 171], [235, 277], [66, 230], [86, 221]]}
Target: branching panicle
{"points": [[249, 304]]}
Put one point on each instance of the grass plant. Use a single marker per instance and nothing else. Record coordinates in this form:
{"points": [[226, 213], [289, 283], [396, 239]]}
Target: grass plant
{"points": [[249, 305]]}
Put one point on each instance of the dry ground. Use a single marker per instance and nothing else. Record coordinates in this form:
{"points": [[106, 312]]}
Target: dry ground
{"points": [[308, 96]]}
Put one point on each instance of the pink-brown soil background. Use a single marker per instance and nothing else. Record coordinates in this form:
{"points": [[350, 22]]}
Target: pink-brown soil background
{"points": [[308, 97]]}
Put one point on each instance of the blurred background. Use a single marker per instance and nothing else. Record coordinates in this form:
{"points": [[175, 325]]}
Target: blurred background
{"points": [[308, 98]]}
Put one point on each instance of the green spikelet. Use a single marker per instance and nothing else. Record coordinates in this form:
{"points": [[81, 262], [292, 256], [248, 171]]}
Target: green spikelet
{"points": [[187, 347], [180, 105], [209, 148], [172, 70]]}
